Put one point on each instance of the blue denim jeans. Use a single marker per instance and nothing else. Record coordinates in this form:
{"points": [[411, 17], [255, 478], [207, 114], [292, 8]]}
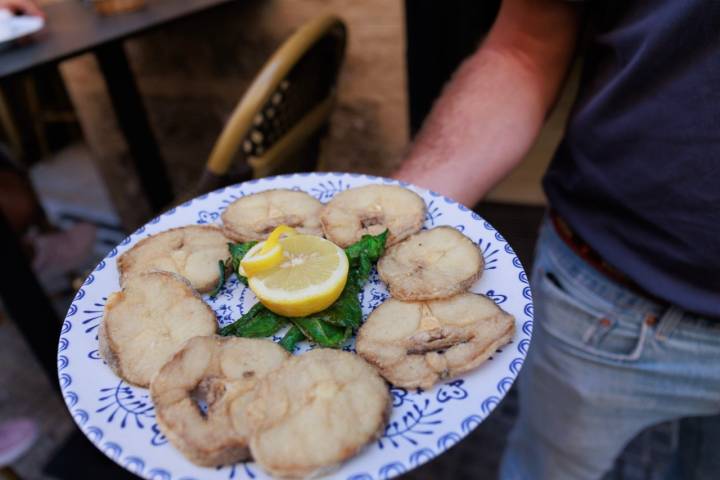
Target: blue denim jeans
{"points": [[604, 364]]}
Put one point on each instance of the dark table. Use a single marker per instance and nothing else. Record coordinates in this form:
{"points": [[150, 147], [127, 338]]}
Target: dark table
{"points": [[72, 29]]}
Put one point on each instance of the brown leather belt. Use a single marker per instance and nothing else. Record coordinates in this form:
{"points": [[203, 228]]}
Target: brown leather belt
{"points": [[587, 253]]}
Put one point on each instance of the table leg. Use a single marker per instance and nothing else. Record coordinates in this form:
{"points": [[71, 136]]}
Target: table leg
{"points": [[134, 124], [27, 304]]}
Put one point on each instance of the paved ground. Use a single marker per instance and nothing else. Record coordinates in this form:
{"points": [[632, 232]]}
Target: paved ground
{"points": [[25, 391]]}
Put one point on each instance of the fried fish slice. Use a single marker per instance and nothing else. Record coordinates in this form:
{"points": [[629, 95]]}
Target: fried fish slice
{"points": [[192, 252], [253, 217], [146, 322], [316, 411], [417, 344], [370, 210], [222, 372], [432, 264]]}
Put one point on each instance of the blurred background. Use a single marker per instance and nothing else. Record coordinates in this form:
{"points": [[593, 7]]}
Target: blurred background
{"points": [[110, 112]]}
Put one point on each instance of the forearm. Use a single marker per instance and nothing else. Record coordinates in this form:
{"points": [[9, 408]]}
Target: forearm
{"points": [[480, 129], [487, 118]]}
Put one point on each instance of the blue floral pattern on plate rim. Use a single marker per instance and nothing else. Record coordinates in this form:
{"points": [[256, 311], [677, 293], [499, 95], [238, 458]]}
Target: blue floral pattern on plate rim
{"points": [[119, 418]]}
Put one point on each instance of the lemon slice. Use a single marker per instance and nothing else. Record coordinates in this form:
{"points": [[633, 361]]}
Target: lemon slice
{"points": [[309, 279], [255, 261], [265, 254]]}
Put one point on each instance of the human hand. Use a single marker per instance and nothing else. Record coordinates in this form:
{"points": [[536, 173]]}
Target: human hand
{"points": [[22, 7]]}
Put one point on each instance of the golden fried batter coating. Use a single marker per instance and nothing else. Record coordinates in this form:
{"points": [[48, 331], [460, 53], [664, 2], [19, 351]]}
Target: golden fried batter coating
{"points": [[417, 344], [432, 264], [192, 252], [147, 321], [255, 216], [223, 372], [370, 210], [316, 411]]}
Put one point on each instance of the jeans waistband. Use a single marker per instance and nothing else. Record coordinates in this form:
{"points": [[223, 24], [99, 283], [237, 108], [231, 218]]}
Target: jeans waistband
{"points": [[582, 249], [591, 279], [586, 276]]}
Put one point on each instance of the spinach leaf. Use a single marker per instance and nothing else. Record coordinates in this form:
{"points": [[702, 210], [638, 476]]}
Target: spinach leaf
{"points": [[291, 338], [257, 322], [237, 252], [362, 255], [322, 333], [372, 246], [221, 280], [345, 312]]}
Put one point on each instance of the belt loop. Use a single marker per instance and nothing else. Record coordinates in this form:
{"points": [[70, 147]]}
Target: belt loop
{"points": [[668, 322]]}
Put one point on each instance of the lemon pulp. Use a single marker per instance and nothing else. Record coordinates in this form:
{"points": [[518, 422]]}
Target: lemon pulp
{"points": [[309, 278]]}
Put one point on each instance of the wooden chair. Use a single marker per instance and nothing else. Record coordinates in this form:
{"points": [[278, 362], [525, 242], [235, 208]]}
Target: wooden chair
{"points": [[277, 125]]}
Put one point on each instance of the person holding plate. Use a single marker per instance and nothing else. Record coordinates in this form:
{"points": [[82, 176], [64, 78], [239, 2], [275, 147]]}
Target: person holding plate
{"points": [[625, 282]]}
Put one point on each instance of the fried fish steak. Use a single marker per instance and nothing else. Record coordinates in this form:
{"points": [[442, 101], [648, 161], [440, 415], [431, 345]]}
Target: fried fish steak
{"points": [[192, 252], [316, 411], [255, 216], [417, 344], [370, 210], [431, 264], [222, 374], [147, 321]]}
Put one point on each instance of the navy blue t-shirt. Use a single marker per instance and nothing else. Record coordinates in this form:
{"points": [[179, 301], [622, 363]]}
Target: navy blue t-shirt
{"points": [[637, 175]]}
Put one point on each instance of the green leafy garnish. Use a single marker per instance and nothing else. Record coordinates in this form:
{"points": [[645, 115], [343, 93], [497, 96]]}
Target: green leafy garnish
{"points": [[291, 338], [237, 252], [362, 255], [328, 328], [344, 312], [257, 322], [323, 333]]}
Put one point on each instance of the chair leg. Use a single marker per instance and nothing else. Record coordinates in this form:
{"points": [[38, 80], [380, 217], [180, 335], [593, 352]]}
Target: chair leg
{"points": [[7, 473]]}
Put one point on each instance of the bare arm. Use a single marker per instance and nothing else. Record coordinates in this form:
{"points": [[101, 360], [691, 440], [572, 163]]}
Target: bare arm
{"points": [[492, 110]]}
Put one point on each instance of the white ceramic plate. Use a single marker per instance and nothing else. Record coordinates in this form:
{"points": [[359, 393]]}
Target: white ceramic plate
{"points": [[119, 419], [14, 27]]}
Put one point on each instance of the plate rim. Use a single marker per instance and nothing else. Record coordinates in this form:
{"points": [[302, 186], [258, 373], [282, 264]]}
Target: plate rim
{"points": [[39, 25], [394, 468]]}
